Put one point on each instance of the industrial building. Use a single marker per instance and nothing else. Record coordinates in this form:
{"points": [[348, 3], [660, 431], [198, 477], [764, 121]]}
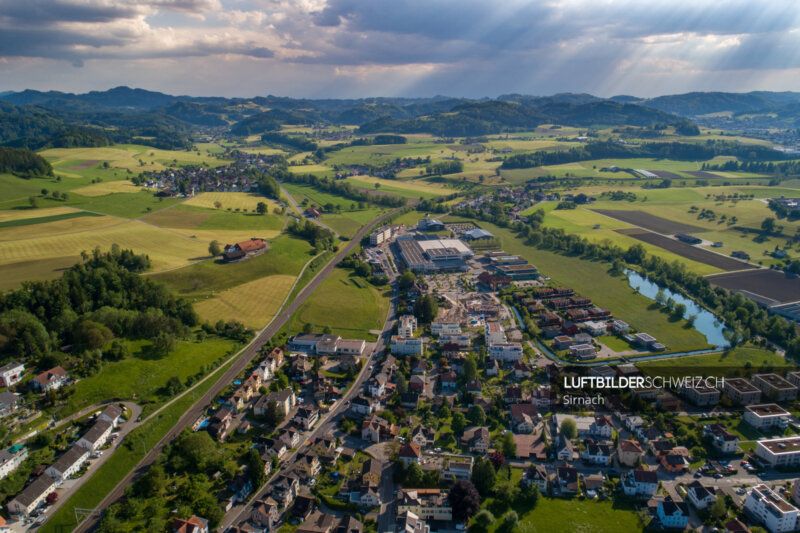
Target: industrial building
{"points": [[434, 255]]}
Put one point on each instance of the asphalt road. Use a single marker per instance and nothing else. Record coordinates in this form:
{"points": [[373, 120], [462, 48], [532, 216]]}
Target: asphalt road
{"points": [[326, 426], [245, 357]]}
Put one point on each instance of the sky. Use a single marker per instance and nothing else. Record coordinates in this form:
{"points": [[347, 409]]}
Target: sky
{"points": [[361, 48]]}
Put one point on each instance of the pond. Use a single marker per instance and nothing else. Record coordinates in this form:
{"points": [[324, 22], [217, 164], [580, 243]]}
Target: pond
{"points": [[706, 323]]}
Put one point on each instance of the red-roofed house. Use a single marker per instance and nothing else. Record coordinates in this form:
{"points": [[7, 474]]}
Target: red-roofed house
{"points": [[51, 379], [194, 524]]}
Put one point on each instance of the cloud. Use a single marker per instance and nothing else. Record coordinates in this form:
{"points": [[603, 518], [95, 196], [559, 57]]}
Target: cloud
{"points": [[469, 47]]}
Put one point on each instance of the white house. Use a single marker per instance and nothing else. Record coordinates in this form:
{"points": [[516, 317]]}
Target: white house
{"points": [[701, 496], [777, 515], [461, 339], [494, 333], [377, 385], [595, 328], [641, 483], [111, 414], [508, 351], [96, 436], [31, 496], [602, 427], [407, 326], [449, 328], [68, 464], [673, 514], [11, 373], [599, 454], [407, 345], [722, 439], [11, 459]]}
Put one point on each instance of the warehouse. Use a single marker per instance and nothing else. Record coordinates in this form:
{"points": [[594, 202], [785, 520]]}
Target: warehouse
{"points": [[434, 255]]}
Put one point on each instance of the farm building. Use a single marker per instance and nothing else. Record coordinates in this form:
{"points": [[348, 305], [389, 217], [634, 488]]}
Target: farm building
{"points": [[240, 250]]}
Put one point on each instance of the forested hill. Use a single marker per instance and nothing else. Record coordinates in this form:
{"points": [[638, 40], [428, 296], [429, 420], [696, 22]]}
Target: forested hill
{"points": [[481, 118], [22, 161]]}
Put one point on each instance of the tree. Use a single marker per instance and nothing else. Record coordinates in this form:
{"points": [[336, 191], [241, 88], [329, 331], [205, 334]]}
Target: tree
{"points": [[768, 225], [497, 458], [510, 521], [484, 518], [508, 445], [465, 501], [476, 415], [529, 493], [401, 385], [34, 202], [679, 310], [483, 476], [444, 412], [470, 369], [215, 249], [569, 428], [218, 205], [273, 415], [173, 386], [164, 343], [261, 208], [458, 423], [719, 509], [414, 476], [255, 467], [661, 297], [426, 308], [406, 280]]}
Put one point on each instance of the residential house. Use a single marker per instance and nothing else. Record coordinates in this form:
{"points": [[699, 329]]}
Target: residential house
{"points": [[775, 387], [568, 480], [771, 510], [506, 351], [306, 417], [410, 452], [27, 500], [193, 524], [11, 458], [11, 373], [377, 429], [491, 368], [409, 400], [701, 395], [723, 440], [428, 504], [220, 423], [423, 436], [639, 483], [524, 417], [448, 381], [602, 427], [96, 436], [68, 464], [565, 451], [376, 386], [673, 514], [290, 437], [365, 405], [767, 416], [318, 522], [476, 439], [537, 474], [265, 513], [240, 487], [52, 379], [741, 392], [284, 489], [515, 394], [599, 454], [407, 345], [521, 370], [408, 522], [628, 452], [10, 402], [781, 452], [701, 496], [673, 462], [407, 325], [308, 465], [111, 414]]}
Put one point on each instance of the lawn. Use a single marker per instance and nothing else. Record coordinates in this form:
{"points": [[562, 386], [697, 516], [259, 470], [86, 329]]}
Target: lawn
{"points": [[349, 305], [254, 303], [407, 188], [135, 446], [10, 215], [347, 224], [44, 219], [83, 221], [286, 256], [741, 360], [140, 377], [233, 200], [591, 278], [317, 197], [166, 249], [570, 515], [615, 343], [108, 187]]}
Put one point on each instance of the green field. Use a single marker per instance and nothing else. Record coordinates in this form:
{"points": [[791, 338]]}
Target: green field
{"points": [[348, 304], [574, 514], [286, 256], [348, 224], [42, 220], [730, 363], [140, 377], [591, 278], [254, 303]]}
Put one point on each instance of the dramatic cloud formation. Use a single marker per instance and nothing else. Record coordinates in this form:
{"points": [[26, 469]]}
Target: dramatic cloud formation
{"points": [[342, 48]]}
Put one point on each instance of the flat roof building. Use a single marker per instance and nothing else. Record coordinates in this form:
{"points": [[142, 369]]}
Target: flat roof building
{"points": [[766, 416], [779, 452], [775, 387], [431, 255], [741, 391]]}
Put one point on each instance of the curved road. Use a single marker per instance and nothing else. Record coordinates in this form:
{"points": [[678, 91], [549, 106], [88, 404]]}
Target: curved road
{"points": [[245, 357]]}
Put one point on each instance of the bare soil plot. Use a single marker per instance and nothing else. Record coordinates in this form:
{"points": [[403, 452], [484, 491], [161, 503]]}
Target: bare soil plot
{"points": [[86, 164], [702, 174], [650, 222], [667, 174], [686, 250], [771, 284]]}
